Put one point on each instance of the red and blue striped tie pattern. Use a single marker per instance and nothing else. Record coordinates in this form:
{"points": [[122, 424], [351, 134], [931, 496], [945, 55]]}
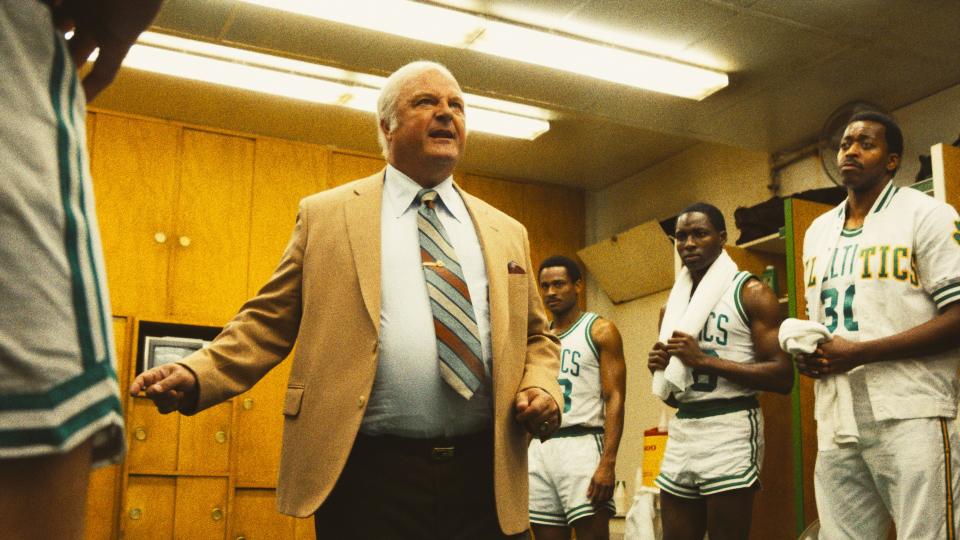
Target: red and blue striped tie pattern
{"points": [[458, 340]]}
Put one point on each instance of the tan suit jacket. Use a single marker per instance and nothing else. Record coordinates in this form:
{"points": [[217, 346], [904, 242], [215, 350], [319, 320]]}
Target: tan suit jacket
{"points": [[325, 296]]}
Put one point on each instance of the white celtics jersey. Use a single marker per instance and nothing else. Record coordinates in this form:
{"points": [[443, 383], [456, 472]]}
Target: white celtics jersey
{"points": [[580, 375], [725, 334]]}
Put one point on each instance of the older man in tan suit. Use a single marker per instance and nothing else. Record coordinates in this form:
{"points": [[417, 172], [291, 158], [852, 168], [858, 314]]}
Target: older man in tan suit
{"points": [[422, 354]]}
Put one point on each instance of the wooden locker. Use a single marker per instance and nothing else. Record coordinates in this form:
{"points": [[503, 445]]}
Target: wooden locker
{"points": [[259, 429], [554, 217], [208, 277], [284, 173], [205, 441], [201, 508], [347, 167], [151, 438], [501, 194], [149, 510], [134, 167], [104, 488], [255, 516]]}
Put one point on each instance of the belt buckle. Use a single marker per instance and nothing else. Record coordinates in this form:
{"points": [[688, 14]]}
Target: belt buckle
{"points": [[441, 453]]}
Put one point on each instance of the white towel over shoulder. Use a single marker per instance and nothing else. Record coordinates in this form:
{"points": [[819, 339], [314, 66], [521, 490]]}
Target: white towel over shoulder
{"points": [[688, 314], [836, 423]]}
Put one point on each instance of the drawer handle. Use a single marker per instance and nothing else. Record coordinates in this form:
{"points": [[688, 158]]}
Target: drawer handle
{"points": [[217, 514], [221, 437], [248, 404], [185, 241], [160, 237], [136, 513], [140, 434]]}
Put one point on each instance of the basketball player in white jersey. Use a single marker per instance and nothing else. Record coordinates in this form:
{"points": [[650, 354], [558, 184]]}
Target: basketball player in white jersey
{"points": [[711, 465], [572, 475], [884, 269]]}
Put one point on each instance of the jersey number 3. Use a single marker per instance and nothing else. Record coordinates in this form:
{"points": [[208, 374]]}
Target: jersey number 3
{"points": [[567, 389]]}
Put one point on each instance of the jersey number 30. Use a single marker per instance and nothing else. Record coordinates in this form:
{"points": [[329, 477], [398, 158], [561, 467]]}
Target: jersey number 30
{"points": [[831, 299]]}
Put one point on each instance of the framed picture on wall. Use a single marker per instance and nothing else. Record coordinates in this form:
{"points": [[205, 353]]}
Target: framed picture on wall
{"points": [[158, 351]]}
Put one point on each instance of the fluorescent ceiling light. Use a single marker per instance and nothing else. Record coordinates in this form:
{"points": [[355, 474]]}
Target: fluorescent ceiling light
{"points": [[248, 70], [454, 28]]}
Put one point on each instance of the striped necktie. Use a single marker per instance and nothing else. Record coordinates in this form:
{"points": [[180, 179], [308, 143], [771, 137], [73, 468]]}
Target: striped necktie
{"points": [[458, 340]]}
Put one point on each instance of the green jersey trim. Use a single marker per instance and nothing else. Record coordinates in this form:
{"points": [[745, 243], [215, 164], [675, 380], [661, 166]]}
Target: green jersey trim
{"points": [[946, 295], [55, 436], [850, 233], [886, 197], [743, 277], [574, 325], [589, 336]]}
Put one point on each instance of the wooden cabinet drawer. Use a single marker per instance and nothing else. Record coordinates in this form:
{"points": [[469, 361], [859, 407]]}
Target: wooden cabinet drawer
{"points": [[149, 510], [205, 441], [201, 508], [152, 438], [255, 516]]}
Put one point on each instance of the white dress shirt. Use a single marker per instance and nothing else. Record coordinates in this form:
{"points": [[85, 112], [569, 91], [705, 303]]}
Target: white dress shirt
{"points": [[409, 398]]}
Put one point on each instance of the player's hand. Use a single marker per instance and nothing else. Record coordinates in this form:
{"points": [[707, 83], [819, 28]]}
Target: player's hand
{"points": [[170, 386], [110, 25], [838, 355], [807, 365], [658, 358], [538, 412], [601, 485], [686, 348]]}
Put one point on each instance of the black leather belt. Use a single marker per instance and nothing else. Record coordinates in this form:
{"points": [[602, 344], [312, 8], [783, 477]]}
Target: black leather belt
{"points": [[436, 449]]}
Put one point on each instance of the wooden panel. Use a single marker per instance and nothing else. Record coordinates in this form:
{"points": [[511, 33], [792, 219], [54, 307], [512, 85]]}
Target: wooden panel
{"points": [[90, 122], [104, 488], [284, 173], [347, 167], [305, 529], [801, 215], [151, 438], [121, 338], [134, 177], [946, 173], [255, 516], [773, 508], [209, 276], [102, 491], [635, 263], [259, 429], [149, 509], [756, 262], [201, 508], [505, 196], [205, 441], [554, 217]]}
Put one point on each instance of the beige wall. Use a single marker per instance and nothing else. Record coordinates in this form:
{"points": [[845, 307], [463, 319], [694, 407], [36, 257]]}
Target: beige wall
{"points": [[721, 175]]}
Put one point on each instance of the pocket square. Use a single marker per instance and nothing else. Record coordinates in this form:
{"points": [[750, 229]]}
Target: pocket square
{"points": [[514, 268]]}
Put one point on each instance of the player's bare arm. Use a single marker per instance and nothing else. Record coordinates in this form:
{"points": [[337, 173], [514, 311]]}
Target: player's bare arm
{"points": [[839, 355], [613, 383], [772, 370], [112, 26]]}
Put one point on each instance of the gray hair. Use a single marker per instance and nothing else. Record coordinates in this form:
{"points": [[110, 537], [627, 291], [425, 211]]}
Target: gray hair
{"points": [[387, 101]]}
